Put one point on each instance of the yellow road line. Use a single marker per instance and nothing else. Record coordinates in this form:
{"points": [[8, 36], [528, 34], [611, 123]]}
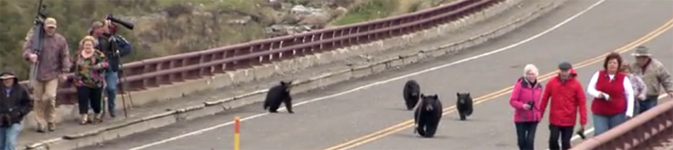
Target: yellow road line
{"points": [[409, 123]]}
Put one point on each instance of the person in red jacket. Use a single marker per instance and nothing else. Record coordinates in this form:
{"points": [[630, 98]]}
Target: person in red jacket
{"points": [[567, 97], [613, 95]]}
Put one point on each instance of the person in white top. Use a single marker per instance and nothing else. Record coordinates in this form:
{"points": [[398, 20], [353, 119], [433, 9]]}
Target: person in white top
{"points": [[613, 95]]}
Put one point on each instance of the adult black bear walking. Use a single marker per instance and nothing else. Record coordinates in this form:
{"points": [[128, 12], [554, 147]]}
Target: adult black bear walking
{"points": [[464, 105], [427, 115], [411, 94], [279, 94]]}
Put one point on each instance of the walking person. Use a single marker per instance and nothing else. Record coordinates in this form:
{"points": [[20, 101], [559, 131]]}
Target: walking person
{"points": [[53, 63], [526, 94], [15, 103], [639, 87], [114, 47], [613, 95], [567, 98], [654, 74], [90, 64]]}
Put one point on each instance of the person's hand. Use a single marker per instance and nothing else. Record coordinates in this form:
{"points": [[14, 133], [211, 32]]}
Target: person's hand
{"points": [[97, 66], [670, 94], [606, 97], [582, 127], [641, 97], [64, 77], [601, 95], [526, 106], [32, 58]]}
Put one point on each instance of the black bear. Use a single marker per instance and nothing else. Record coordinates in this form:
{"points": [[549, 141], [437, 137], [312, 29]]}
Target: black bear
{"points": [[464, 105], [427, 115], [279, 94], [411, 94]]}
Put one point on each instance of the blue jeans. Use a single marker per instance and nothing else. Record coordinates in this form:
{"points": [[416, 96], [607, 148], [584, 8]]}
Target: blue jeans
{"points": [[112, 79], [8, 136], [649, 102], [605, 123]]}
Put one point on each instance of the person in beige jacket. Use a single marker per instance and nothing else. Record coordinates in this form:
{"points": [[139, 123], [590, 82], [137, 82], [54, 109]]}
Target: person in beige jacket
{"points": [[655, 76]]}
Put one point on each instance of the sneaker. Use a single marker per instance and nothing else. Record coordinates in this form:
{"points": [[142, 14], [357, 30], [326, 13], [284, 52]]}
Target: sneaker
{"points": [[51, 127], [40, 128]]}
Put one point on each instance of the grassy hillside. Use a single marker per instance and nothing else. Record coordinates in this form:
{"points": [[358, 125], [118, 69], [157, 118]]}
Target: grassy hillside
{"points": [[166, 27]]}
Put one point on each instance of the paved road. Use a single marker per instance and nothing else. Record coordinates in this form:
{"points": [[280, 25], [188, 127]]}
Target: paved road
{"points": [[332, 121]]}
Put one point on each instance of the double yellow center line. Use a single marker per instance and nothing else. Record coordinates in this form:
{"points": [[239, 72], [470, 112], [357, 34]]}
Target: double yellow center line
{"points": [[409, 123]]}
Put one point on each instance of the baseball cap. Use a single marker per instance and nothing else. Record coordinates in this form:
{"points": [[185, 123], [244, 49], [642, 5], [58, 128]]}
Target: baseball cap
{"points": [[7, 76], [565, 66], [50, 22]]}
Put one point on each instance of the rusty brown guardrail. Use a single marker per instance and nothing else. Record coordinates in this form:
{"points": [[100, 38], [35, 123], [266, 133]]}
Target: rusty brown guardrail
{"points": [[639, 133], [149, 73]]}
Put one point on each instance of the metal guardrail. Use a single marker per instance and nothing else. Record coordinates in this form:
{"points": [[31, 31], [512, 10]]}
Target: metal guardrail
{"points": [[642, 132], [154, 72]]}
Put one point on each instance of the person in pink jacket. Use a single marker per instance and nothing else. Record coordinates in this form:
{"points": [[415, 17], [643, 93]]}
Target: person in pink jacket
{"points": [[526, 94]]}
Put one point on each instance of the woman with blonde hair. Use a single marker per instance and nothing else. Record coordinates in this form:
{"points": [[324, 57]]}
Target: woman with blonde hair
{"points": [[90, 65], [639, 87], [525, 98]]}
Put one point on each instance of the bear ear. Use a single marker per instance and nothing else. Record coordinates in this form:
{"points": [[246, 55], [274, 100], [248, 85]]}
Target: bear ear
{"points": [[457, 93], [468, 94], [422, 95], [436, 96], [282, 83]]}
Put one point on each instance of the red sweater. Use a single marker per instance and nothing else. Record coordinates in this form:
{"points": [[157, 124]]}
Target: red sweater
{"points": [[614, 88]]}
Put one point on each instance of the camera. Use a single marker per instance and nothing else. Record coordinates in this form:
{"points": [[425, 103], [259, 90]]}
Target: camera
{"points": [[114, 20], [581, 133], [531, 104], [5, 120]]}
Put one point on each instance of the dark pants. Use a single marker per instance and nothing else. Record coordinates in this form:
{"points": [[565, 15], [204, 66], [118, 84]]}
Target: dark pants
{"points": [[566, 133], [649, 102], [89, 97], [525, 134]]}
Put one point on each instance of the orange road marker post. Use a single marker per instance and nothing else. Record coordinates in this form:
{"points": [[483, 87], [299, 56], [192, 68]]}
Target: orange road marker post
{"points": [[237, 129]]}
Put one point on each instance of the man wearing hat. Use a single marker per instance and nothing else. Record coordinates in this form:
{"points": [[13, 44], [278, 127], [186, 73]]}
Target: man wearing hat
{"points": [[15, 103], [53, 63], [567, 96], [115, 47], [654, 74]]}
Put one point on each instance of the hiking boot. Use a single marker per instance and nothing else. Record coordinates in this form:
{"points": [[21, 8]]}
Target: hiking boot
{"points": [[51, 126], [40, 128], [112, 113]]}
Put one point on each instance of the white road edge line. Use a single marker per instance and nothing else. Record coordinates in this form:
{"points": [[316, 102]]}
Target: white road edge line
{"points": [[573, 17]]}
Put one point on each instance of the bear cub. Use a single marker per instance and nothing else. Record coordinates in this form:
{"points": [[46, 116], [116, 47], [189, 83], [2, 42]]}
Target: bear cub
{"points": [[279, 94], [411, 94], [464, 105]]}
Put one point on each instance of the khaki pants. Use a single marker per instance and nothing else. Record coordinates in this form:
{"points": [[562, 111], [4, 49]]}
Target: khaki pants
{"points": [[45, 101]]}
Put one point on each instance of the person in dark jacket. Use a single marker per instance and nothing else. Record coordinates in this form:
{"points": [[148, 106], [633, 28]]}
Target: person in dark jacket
{"points": [[567, 97], [526, 93], [114, 47], [15, 104]]}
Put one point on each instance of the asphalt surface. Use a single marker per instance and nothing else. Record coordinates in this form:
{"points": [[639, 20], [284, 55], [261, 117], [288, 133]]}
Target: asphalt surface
{"points": [[332, 121]]}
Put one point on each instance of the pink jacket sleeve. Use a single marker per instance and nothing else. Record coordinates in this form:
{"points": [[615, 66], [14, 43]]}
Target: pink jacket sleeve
{"points": [[514, 99]]}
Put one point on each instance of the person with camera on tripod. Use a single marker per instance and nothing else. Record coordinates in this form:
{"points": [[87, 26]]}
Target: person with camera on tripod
{"points": [[114, 47], [52, 64], [15, 103]]}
